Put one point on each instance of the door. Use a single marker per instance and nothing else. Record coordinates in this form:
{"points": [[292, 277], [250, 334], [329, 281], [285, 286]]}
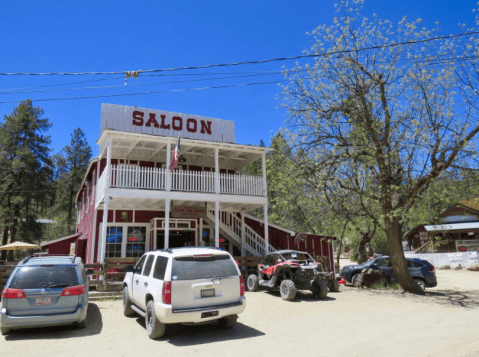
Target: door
{"points": [[143, 281], [135, 287]]}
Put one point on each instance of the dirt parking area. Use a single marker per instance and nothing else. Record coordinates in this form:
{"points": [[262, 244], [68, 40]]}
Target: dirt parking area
{"points": [[351, 322]]}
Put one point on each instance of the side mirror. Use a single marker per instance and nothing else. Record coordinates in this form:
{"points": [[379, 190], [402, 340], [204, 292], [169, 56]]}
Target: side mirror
{"points": [[89, 271], [128, 269]]}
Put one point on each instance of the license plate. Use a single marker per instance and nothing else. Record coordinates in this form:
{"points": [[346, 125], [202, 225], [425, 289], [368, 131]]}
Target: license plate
{"points": [[43, 301], [207, 293]]}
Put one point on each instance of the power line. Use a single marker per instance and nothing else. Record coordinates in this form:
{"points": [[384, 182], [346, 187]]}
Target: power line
{"points": [[143, 93], [135, 73]]}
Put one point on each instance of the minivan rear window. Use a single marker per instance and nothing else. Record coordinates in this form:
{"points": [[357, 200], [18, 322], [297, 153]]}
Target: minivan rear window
{"points": [[39, 277], [191, 268]]}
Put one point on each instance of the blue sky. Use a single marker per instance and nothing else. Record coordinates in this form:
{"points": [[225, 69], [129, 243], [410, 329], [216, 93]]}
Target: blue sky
{"points": [[87, 36]]}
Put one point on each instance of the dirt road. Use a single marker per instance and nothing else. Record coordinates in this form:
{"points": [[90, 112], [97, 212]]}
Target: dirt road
{"points": [[351, 322]]}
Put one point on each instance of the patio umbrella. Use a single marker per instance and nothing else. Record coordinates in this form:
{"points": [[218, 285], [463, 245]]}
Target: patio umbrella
{"points": [[18, 245]]}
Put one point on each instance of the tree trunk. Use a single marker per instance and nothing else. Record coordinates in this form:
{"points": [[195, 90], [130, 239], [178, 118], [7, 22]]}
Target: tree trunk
{"points": [[396, 253], [5, 241], [362, 253], [341, 241], [12, 237]]}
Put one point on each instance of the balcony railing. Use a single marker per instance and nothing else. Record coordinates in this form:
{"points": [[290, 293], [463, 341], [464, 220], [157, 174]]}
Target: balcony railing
{"points": [[150, 178]]}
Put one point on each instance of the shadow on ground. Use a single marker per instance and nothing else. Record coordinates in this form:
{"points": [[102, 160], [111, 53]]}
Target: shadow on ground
{"points": [[465, 299], [181, 335], [304, 296], [94, 327]]}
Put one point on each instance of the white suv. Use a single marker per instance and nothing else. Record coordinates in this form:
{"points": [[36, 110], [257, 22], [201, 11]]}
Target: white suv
{"points": [[184, 285]]}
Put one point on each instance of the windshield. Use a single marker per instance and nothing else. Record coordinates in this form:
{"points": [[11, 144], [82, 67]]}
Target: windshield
{"points": [[40, 277], [298, 257]]}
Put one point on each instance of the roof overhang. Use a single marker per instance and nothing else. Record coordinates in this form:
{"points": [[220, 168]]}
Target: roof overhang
{"points": [[44, 244], [452, 227]]}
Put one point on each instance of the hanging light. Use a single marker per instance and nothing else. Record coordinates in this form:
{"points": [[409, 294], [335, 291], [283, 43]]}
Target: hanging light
{"points": [[182, 159]]}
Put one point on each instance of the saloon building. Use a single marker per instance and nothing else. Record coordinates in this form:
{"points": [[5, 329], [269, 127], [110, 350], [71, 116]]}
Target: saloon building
{"points": [[132, 200]]}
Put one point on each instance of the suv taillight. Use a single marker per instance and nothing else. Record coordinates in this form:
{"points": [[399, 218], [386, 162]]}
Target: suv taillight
{"points": [[432, 269], [166, 292], [13, 294], [74, 290], [242, 287]]}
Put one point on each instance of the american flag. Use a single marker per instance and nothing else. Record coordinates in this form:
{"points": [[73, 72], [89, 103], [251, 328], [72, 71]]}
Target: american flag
{"points": [[175, 156]]}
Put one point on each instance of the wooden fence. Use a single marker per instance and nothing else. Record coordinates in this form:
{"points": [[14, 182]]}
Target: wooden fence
{"points": [[6, 269]]}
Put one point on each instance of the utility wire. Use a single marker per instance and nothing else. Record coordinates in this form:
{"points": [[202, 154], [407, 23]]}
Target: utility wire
{"points": [[143, 93], [246, 62]]}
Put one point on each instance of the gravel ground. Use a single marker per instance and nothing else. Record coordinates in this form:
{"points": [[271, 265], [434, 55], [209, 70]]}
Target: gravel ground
{"points": [[351, 322]]}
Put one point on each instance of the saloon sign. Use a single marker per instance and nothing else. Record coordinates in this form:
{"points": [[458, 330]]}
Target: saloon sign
{"points": [[157, 122]]}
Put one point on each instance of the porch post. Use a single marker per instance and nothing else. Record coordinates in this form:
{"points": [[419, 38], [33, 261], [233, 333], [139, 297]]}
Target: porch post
{"points": [[243, 235], [266, 226], [200, 239], [217, 172], [265, 183], [168, 172], [167, 222], [95, 218], [217, 224], [103, 229]]}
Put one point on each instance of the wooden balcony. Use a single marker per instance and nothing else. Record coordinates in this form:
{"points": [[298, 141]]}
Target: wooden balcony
{"points": [[149, 178]]}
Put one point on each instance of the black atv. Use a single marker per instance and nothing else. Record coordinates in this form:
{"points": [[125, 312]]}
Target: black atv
{"points": [[289, 271]]}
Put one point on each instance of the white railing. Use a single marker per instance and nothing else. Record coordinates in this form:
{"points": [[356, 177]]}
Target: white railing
{"points": [[137, 177], [100, 188], [132, 176], [193, 181], [241, 184], [231, 224]]}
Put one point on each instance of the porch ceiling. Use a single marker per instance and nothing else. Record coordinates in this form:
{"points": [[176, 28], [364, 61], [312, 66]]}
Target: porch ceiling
{"points": [[149, 204], [146, 147]]}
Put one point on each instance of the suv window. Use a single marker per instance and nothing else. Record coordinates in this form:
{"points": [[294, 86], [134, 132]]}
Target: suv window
{"points": [[39, 277], [160, 267], [148, 265], [190, 268], [139, 265]]}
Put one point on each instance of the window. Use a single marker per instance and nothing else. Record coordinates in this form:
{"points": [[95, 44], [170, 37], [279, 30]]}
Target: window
{"points": [[139, 265], [160, 268], [135, 244], [148, 265], [384, 262], [190, 268], [114, 238], [40, 277]]}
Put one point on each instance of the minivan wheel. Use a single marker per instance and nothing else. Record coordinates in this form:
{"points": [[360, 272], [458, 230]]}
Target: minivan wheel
{"points": [[82, 324], [154, 327], [127, 310], [252, 282], [420, 282], [4, 331], [227, 322], [287, 290]]}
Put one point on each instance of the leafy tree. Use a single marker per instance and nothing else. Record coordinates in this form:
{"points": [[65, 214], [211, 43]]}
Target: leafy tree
{"points": [[26, 164], [397, 117]]}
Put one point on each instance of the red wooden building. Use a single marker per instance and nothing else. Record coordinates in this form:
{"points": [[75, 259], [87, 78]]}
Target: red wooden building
{"points": [[131, 202]]}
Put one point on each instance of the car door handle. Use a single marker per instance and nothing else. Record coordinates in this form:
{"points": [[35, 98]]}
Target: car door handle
{"points": [[146, 284], [137, 282]]}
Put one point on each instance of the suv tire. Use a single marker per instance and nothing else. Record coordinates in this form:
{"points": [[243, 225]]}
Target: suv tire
{"points": [[154, 327], [420, 282], [227, 322], [333, 285], [319, 288], [287, 290], [127, 310], [4, 331], [252, 282]]}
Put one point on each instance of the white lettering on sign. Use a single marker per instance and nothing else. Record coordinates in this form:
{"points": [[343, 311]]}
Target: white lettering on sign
{"points": [[157, 122]]}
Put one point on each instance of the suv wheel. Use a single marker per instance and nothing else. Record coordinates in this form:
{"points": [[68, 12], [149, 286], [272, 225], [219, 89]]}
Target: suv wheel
{"points": [[227, 322], [319, 288], [420, 282], [333, 285], [154, 328], [127, 310], [287, 290], [252, 283], [4, 331]]}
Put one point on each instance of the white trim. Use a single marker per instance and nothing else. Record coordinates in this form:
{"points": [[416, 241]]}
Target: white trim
{"points": [[270, 224]]}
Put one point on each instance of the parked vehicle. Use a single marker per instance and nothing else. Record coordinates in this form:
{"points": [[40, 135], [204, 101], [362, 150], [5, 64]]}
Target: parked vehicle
{"points": [[422, 272], [184, 285], [45, 291], [289, 271]]}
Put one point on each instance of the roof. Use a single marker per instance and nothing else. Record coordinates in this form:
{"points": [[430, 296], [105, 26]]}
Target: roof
{"points": [[44, 244], [452, 226], [270, 224]]}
